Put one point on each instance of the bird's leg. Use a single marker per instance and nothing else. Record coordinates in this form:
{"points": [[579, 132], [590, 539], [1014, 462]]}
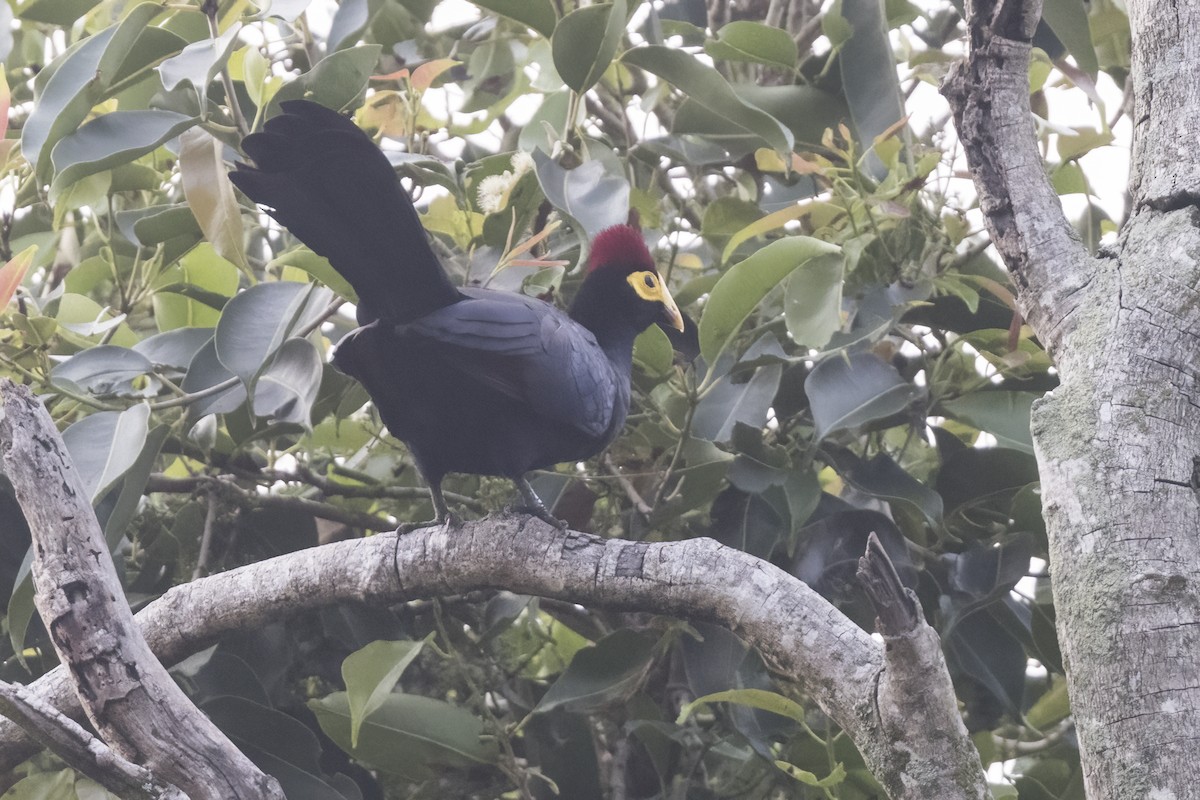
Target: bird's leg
{"points": [[534, 504], [441, 513]]}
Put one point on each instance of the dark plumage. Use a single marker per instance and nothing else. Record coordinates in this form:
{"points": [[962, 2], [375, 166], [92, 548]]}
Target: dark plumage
{"points": [[472, 380]]}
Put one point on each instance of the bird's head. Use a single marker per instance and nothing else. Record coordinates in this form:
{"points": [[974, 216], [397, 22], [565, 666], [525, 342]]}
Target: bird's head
{"points": [[622, 263]]}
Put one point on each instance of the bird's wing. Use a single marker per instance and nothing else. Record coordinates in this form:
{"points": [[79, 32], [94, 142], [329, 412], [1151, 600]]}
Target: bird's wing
{"points": [[530, 351], [325, 181]]}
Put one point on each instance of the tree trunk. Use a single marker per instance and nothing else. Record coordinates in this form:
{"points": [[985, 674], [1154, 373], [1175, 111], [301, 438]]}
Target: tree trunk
{"points": [[1124, 330]]}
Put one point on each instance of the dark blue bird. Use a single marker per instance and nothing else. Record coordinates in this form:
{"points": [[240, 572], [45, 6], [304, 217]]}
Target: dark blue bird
{"points": [[472, 380]]}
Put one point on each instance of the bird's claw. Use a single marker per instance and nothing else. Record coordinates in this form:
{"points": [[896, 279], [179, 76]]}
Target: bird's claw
{"points": [[541, 513], [449, 522]]}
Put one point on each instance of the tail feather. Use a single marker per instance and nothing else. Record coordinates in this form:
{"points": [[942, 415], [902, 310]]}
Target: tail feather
{"points": [[325, 181]]}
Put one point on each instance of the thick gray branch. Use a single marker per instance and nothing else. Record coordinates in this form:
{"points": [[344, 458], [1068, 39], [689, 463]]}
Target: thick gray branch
{"points": [[79, 749], [1165, 173], [989, 94], [798, 632], [133, 703]]}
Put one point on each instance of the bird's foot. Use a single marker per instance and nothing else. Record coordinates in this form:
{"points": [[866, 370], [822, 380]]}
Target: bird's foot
{"points": [[450, 521]]}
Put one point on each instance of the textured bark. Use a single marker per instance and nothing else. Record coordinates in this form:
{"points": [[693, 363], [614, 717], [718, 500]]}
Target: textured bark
{"points": [[1124, 550], [79, 749], [799, 633], [133, 703]]}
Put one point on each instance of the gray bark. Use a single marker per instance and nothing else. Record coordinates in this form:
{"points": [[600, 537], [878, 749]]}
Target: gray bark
{"points": [[126, 693], [1124, 332], [868, 691]]}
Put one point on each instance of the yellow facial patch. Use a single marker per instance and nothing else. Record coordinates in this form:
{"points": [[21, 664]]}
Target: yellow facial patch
{"points": [[650, 287]]}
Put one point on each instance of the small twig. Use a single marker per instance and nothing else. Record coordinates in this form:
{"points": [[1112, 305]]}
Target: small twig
{"points": [[210, 7], [210, 524], [641, 505], [251, 500], [82, 751]]}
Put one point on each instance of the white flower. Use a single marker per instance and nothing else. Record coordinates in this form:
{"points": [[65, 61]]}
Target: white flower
{"points": [[522, 162], [493, 191]]}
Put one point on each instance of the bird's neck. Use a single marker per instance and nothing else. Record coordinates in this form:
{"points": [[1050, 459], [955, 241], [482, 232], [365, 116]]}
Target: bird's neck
{"points": [[614, 332]]}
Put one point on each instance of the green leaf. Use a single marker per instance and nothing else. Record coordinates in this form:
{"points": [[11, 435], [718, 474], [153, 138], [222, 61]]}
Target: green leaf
{"points": [[585, 42], [256, 323], [602, 674], [536, 14], [317, 266], [55, 12], [199, 62], [754, 42], [76, 81], [706, 86], [335, 81], [745, 285], [849, 391], [882, 477], [752, 698], [408, 735], [588, 194], [869, 78], [1069, 21], [105, 445], [100, 370], [732, 400], [210, 194], [836, 776], [652, 351], [287, 388], [111, 140], [204, 372], [201, 269], [371, 673], [1052, 707], [812, 301], [1005, 415]]}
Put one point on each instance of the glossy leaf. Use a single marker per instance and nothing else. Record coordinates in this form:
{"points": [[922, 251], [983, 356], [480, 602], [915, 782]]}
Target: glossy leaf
{"points": [[735, 399], [317, 266], [753, 698], [173, 349], [104, 369], [706, 86], [585, 42], [287, 388], [204, 374], [113, 139], [1069, 21], [850, 391], [13, 273], [55, 12], [882, 477], [746, 283], [869, 78], [744, 40], [1003, 414], [587, 194], [257, 322], [199, 62], [210, 194], [76, 81], [106, 444], [536, 14], [605, 673], [178, 302], [408, 735], [812, 300], [334, 81], [370, 675]]}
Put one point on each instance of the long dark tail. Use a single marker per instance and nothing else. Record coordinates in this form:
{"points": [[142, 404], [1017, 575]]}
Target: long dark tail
{"points": [[325, 181]]}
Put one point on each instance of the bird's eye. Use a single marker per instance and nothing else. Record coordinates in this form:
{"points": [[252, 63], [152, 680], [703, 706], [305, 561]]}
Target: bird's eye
{"points": [[649, 280]]}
